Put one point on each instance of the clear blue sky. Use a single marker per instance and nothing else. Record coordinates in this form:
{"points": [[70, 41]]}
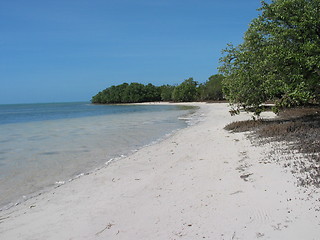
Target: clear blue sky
{"points": [[68, 50]]}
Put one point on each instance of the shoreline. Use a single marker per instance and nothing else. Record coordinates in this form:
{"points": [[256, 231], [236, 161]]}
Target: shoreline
{"points": [[116, 157], [201, 182]]}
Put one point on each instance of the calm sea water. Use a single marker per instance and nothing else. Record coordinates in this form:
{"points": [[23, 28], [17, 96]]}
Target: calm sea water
{"points": [[46, 144]]}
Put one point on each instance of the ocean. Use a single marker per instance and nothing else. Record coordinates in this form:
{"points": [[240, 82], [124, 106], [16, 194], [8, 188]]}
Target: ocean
{"points": [[46, 145]]}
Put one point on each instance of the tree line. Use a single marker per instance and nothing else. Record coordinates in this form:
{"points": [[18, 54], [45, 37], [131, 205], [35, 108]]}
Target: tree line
{"points": [[279, 59], [188, 91]]}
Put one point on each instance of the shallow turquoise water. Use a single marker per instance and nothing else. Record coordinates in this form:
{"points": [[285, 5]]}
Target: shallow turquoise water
{"points": [[46, 144]]}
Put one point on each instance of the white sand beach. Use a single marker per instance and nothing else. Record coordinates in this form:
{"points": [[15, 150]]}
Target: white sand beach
{"points": [[201, 183]]}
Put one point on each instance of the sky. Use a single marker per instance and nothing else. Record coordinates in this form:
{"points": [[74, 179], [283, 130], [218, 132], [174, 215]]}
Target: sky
{"points": [[69, 50]]}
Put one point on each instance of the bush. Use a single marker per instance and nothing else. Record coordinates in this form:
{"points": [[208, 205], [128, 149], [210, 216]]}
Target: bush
{"points": [[186, 91], [211, 90], [128, 93]]}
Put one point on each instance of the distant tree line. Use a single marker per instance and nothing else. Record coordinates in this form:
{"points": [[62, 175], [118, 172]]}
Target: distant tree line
{"points": [[188, 91]]}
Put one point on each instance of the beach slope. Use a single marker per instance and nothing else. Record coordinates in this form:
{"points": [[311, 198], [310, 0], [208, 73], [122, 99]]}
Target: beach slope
{"points": [[201, 183]]}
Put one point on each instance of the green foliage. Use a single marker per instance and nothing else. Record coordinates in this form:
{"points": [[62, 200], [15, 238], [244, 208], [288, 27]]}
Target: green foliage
{"points": [[211, 89], [128, 93], [279, 58], [167, 92], [152, 93], [186, 91]]}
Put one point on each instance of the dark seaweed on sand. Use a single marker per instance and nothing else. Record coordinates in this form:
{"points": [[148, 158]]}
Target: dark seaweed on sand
{"points": [[299, 130]]}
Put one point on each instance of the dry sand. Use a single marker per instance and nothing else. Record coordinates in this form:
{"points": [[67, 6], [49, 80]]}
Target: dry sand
{"points": [[201, 183]]}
